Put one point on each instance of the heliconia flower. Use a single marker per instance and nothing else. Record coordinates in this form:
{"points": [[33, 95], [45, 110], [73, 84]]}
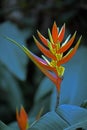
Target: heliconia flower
{"points": [[22, 119], [53, 53]]}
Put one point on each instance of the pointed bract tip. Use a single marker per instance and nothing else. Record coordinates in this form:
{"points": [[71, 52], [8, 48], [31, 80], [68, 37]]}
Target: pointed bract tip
{"points": [[80, 37], [61, 33], [50, 36], [64, 25], [37, 30], [75, 33], [22, 118], [34, 38], [39, 34], [54, 23], [79, 41]]}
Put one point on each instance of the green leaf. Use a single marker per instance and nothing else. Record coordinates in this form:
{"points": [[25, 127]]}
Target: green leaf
{"points": [[9, 85], [42, 104], [53, 99], [11, 56], [44, 89], [73, 87], [46, 97], [14, 125], [72, 114], [79, 126], [50, 121], [5, 127]]}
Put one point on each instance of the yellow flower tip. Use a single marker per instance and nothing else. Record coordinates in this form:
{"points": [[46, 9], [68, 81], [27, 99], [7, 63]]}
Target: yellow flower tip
{"points": [[35, 40], [75, 33], [54, 23], [60, 71], [33, 37], [39, 34], [50, 36], [22, 118], [79, 41]]}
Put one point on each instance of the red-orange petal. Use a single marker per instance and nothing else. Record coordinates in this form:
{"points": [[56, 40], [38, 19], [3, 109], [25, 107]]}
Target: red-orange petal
{"points": [[22, 119], [61, 34], [67, 57], [42, 38], [67, 45], [23, 115], [55, 33], [45, 51]]}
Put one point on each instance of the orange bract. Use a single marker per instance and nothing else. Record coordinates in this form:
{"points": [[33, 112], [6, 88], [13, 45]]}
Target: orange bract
{"points": [[61, 34], [43, 49], [42, 38], [22, 119], [55, 33]]}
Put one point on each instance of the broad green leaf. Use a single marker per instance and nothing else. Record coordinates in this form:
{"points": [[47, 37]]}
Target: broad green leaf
{"points": [[73, 87], [45, 88], [14, 125], [53, 99], [72, 114], [10, 86], [5, 127], [45, 98], [50, 121], [79, 126], [42, 104], [11, 56]]}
